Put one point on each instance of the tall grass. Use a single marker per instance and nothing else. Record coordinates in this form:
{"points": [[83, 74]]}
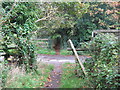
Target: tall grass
{"points": [[18, 78]]}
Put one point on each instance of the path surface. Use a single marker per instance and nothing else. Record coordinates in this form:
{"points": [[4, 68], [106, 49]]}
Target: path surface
{"points": [[1, 57], [59, 58], [57, 61]]}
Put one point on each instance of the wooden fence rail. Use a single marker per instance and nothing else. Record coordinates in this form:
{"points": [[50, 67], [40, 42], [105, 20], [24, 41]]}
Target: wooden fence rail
{"points": [[9, 48], [3, 53], [116, 32], [78, 49]]}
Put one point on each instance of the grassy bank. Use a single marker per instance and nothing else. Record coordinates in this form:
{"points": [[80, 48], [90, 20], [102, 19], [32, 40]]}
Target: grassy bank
{"points": [[18, 78], [70, 80]]}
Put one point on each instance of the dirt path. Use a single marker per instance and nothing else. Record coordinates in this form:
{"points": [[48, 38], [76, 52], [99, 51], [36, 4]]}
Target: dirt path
{"points": [[57, 61], [54, 79]]}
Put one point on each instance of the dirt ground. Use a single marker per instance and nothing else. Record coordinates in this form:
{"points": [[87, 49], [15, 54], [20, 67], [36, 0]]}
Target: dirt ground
{"points": [[57, 61]]}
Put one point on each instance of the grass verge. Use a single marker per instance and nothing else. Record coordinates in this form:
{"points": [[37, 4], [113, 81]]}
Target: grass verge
{"points": [[45, 51], [52, 52], [70, 80], [18, 78]]}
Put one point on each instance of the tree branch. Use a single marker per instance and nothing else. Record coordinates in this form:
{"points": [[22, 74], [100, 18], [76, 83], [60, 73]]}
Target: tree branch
{"points": [[50, 13], [42, 19]]}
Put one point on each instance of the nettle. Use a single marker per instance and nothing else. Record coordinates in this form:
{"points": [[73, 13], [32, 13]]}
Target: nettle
{"points": [[18, 27], [104, 65]]}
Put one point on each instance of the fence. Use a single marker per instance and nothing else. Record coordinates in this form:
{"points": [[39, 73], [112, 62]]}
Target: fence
{"points": [[43, 43], [116, 32], [94, 33]]}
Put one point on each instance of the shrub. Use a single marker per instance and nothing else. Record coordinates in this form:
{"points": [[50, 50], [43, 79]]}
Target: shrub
{"points": [[104, 65], [18, 27]]}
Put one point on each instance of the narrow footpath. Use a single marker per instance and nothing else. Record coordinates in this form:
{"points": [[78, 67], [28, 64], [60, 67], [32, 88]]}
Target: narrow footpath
{"points": [[54, 79], [57, 61]]}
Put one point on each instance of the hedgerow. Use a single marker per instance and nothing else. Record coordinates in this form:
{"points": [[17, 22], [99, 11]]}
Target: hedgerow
{"points": [[103, 67]]}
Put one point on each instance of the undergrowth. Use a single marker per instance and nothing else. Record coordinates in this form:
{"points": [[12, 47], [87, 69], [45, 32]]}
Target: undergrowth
{"points": [[16, 77]]}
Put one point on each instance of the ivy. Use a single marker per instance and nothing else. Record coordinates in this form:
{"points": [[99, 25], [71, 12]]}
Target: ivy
{"points": [[18, 29]]}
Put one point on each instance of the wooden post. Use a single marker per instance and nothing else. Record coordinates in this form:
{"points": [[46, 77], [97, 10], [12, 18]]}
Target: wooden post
{"points": [[77, 57]]}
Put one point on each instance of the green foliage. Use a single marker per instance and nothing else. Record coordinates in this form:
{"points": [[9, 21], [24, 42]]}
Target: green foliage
{"points": [[100, 15], [65, 16], [104, 65], [76, 21], [84, 29], [103, 14], [18, 27], [65, 52]]}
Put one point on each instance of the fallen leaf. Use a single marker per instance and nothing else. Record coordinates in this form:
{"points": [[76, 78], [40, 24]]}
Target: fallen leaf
{"points": [[47, 85], [49, 79], [41, 78], [57, 81]]}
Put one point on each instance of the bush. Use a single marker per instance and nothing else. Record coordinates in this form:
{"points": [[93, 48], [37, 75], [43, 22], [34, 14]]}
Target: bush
{"points": [[18, 28], [104, 65]]}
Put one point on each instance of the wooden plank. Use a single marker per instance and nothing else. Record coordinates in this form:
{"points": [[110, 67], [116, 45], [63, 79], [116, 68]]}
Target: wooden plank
{"points": [[2, 54], [77, 57], [106, 31], [78, 49], [9, 48], [42, 43], [45, 39], [95, 32]]}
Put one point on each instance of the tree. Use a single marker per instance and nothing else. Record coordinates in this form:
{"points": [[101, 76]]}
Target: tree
{"points": [[100, 15], [77, 20], [60, 19]]}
